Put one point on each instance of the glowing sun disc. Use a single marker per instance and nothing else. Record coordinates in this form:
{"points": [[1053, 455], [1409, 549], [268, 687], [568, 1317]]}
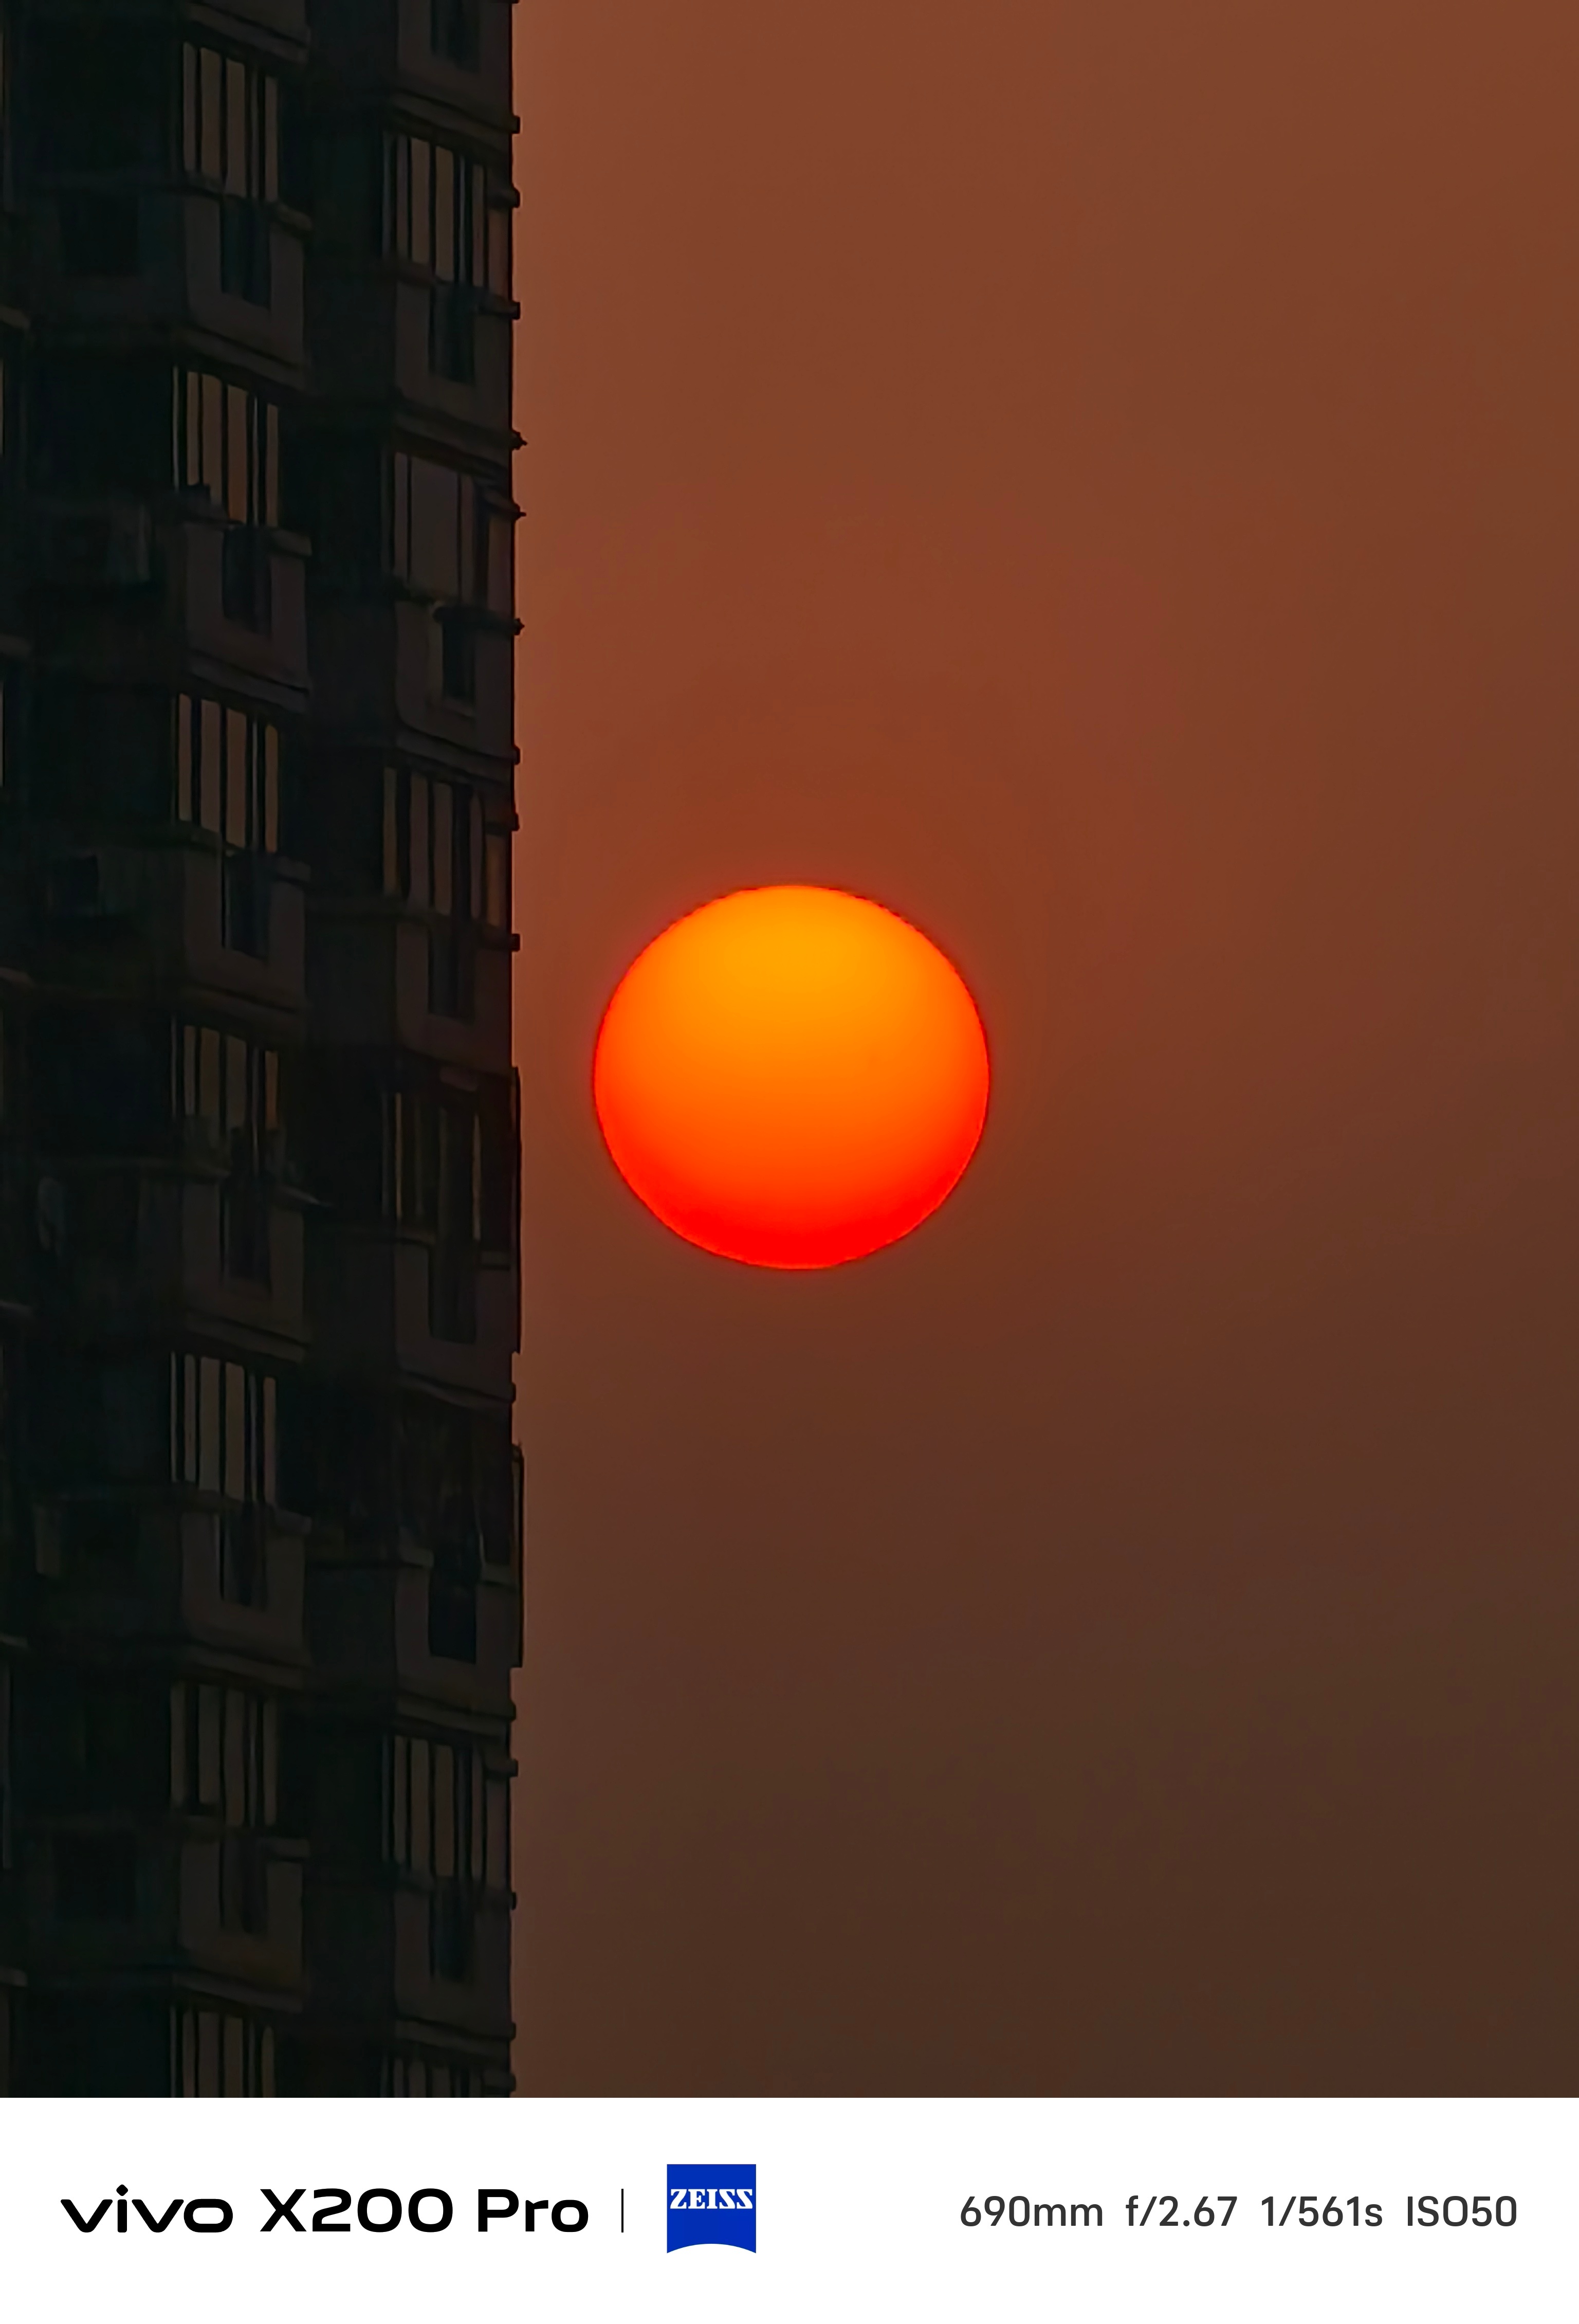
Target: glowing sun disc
{"points": [[791, 1076]]}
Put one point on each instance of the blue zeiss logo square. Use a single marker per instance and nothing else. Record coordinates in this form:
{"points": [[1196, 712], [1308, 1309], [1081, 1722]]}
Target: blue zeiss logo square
{"points": [[713, 2203]]}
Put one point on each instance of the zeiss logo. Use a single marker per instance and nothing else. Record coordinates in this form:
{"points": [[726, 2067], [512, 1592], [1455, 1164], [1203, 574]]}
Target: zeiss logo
{"points": [[713, 2203]]}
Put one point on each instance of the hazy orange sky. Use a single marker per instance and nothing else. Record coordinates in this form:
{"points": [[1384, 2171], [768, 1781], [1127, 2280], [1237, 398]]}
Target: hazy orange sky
{"points": [[1101, 479]]}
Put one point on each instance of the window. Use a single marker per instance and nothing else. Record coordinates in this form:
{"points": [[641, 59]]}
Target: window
{"points": [[436, 1157], [452, 535], [447, 1820], [230, 118], [230, 124], [221, 2055], [232, 1086], [223, 1427], [451, 1162], [227, 445], [225, 1754], [227, 773], [455, 32], [458, 1478], [439, 216], [458, 1498], [227, 781], [439, 867], [452, 543], [441, 857], [337, 1456], [438, 1163], [230, 137], [434, 545], [435, 209]]}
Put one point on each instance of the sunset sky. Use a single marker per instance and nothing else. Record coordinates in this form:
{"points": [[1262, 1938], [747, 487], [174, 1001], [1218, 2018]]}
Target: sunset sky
{"points": [[1100, 477]]}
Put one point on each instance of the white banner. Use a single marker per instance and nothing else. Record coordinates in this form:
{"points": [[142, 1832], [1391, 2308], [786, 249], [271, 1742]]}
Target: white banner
{"points": [[994, 2209]]}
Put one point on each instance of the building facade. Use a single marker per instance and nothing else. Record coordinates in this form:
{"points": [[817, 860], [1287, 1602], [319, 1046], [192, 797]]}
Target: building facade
{"points": [[260, 1511]]}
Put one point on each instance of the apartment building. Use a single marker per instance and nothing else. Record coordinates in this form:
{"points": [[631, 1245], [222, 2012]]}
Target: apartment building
{"points": [[260, 1529]]}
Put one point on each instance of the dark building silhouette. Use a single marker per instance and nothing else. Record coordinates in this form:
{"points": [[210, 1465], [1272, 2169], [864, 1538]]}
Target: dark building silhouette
{"points": [[259, 1540]]}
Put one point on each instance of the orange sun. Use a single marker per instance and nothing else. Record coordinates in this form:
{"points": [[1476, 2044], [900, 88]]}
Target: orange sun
{"points": [[791, 1076]]}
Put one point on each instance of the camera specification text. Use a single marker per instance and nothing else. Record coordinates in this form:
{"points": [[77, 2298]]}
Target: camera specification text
{"points": [[1291, 2211]]}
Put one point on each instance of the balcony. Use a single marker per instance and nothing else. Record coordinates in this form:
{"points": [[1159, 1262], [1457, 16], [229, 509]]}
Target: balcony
{"points": [[376, 1298], [444, 348], [383, 976], [132, 1245], [110, 1899], [124, 572], [458, 49], [117, 255], [379, 666], [147, 1566], [240, 593], [431, 1954], [177, 910], [240, 1904]]}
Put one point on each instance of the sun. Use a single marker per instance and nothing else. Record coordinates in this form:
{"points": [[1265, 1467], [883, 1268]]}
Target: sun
{"points": [[791, 1076]]}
